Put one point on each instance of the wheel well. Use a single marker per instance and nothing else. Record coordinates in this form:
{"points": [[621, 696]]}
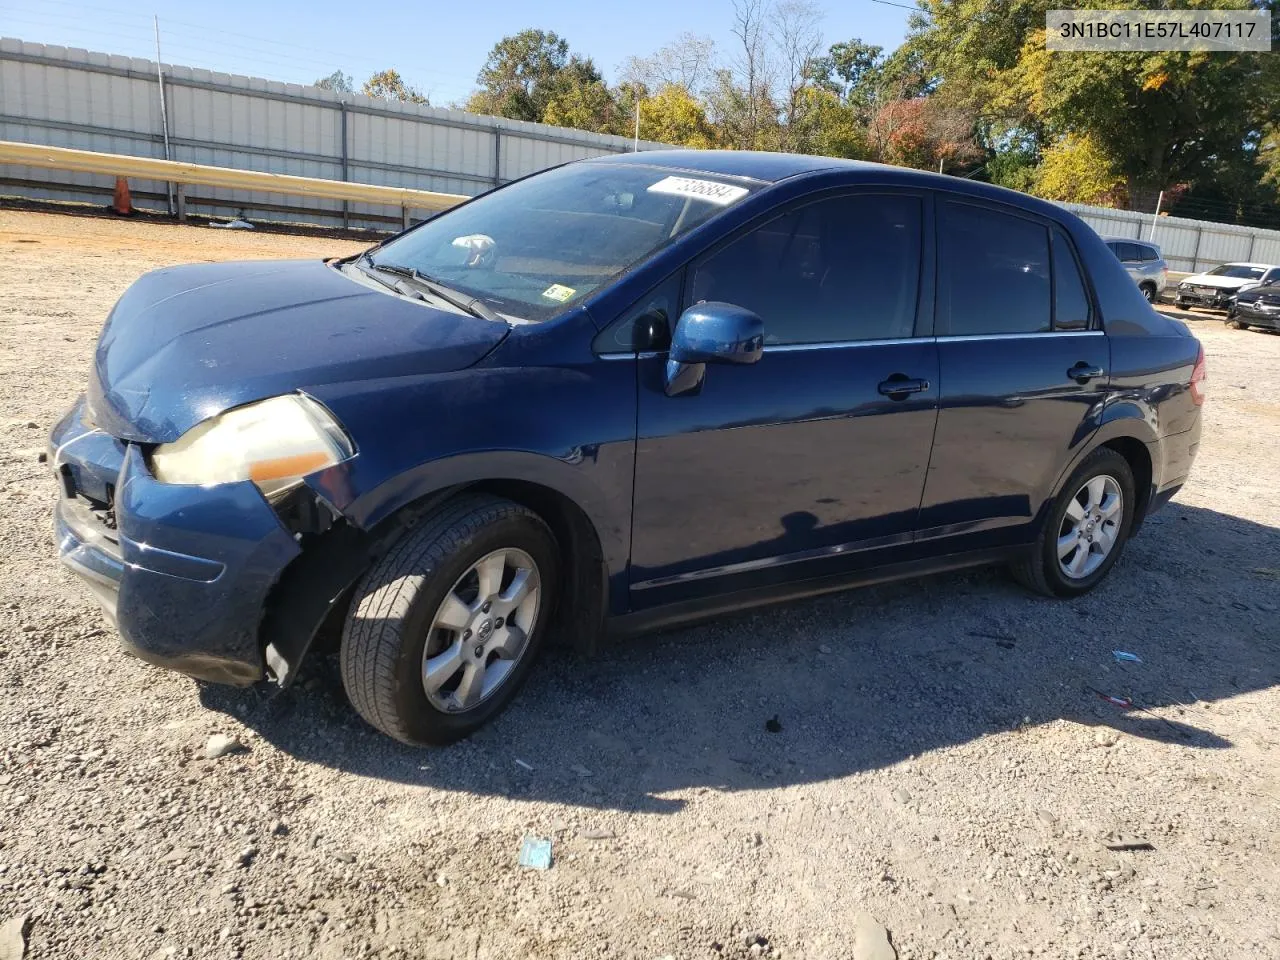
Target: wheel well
{"points": [[1147, 283], [1139, 458], [580, 613]]}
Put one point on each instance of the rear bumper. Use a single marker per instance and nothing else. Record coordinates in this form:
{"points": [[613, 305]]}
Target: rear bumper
{"points": [[184, 571]]}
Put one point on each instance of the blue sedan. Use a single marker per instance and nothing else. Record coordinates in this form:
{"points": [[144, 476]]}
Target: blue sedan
{"points": [[617, 395]]}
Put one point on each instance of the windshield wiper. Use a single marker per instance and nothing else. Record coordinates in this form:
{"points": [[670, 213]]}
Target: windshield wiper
{"points": [[472, 305]]}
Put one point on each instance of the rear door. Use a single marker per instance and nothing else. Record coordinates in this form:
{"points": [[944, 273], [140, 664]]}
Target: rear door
{"points": [[812, 460], [1023, 368]]}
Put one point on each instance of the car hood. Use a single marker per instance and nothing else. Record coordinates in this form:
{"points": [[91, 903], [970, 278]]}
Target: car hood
{"points": [[1222, 283], [1269, 295], [186, 343]]}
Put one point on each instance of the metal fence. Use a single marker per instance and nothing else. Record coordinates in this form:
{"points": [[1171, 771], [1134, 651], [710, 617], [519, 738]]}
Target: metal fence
{"points": [[94, 101], [1189, 246]]}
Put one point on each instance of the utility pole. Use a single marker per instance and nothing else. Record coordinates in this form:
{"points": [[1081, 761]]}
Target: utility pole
{"points": [[636, 145], [164, 113], [1156, 218]]}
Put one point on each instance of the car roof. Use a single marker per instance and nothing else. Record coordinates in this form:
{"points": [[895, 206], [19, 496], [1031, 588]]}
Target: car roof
{"points": [[1145, 243], [773, 167], [1243, 263]]}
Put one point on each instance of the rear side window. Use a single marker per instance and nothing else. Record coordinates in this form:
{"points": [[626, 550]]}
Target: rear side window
{"points": [[994, 272], [846, 268], [1149, 253], [1070, 297], [1130, 253]]}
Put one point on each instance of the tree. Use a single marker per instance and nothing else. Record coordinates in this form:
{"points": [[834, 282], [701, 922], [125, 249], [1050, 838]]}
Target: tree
{"points": [[1077, 169], [583, 106], [686, 62], [525, 72], [749, 110], [797, 37], [337, 81], [674, 116], [389, 85], [923, 132], [851, 70]]}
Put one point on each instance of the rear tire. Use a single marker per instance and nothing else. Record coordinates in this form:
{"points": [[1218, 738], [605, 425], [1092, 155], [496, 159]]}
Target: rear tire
{"points": [[443, 595], [1067, 558], [1149, 291]]}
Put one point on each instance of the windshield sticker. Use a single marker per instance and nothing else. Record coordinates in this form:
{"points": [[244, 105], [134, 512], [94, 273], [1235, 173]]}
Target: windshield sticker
{"points": [[721, 194], [558, 292]]}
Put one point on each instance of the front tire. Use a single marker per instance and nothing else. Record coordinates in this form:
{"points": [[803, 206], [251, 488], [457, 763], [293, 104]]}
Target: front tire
{"points": [[444, 629], [1086, 531]]}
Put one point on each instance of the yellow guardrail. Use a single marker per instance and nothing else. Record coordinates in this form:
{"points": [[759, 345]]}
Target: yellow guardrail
{"points": [[177, 172]]}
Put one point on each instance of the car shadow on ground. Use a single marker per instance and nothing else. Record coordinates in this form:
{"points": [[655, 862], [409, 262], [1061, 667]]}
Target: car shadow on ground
{"points": [[849, 682]]}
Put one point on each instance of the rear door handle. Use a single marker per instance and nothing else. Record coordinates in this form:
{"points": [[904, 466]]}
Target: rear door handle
{"points": [[1083, 372], [899, 386]]}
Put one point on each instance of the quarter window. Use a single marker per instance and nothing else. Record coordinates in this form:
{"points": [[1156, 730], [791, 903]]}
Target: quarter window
{"points": [[842, 269], [1070, 298], [995, 272]]}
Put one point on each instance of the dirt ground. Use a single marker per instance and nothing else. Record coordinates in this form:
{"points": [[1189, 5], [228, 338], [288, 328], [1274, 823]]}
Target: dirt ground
{"points": [[943, 763]]}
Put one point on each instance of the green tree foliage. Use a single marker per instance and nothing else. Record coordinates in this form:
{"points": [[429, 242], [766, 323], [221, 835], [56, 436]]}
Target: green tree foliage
{"points": [[389, 85], [525, 72]]}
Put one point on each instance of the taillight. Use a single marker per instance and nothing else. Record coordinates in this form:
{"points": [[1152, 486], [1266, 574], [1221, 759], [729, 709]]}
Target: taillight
{"points": [[1198, 377]]}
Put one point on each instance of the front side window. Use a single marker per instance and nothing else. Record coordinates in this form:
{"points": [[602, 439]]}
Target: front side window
{"points": [[994, 276], [842, 269], [539, 245]]}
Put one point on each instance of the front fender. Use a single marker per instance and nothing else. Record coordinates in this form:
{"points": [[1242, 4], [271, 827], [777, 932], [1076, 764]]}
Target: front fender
{"points": [[608, 511]]}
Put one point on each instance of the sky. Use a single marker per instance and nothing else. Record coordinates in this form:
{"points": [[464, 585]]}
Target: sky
{"points": [[437, 46]]}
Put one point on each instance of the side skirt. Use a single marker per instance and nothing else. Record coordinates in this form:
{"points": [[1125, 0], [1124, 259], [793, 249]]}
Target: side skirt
{"points": [[716, 605]]}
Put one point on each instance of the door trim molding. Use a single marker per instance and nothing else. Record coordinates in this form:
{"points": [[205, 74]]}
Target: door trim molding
{"points": [[778, 560]]}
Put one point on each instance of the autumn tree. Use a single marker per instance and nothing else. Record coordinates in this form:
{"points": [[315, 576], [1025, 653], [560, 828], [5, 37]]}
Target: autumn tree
{"points": [[389, 85], [1077, 169], [673, 115]]}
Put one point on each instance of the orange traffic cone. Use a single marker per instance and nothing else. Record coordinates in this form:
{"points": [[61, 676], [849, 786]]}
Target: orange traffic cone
{"points": [[121, 202]]}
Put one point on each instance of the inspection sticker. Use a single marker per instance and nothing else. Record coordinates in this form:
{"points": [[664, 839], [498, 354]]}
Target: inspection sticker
{"points": [[558, 292], [721, 194]]}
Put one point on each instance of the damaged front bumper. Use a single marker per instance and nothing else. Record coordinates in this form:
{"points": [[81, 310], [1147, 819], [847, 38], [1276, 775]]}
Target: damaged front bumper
{"points": [[184, 571]]}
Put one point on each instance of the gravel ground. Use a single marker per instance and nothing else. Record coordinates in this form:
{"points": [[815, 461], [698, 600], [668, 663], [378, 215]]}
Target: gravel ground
{"points": [[941, 763]]}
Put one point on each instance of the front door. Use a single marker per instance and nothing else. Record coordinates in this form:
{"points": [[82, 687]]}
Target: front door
{"points": [[812, 460], [1023, 372]]}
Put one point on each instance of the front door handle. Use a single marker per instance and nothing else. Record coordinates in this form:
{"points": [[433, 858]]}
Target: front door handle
{"points": [[899, 386], [1083, 372]]}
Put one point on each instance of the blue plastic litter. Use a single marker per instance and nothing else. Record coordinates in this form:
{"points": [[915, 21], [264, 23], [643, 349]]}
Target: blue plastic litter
{"points": [[535, 853], [1123, 657]]}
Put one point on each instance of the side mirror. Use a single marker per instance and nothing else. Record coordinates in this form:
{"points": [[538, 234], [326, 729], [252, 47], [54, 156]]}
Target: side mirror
{"points": [[711, 332]]}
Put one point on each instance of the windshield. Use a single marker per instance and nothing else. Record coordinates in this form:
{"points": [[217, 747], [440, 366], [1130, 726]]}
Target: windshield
{"points": [[541, 244], [1239, 270]]}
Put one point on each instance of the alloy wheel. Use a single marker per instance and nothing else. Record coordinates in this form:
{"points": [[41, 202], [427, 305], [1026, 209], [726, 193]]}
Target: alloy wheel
{"points": [[481, 630], [1090, 527]]}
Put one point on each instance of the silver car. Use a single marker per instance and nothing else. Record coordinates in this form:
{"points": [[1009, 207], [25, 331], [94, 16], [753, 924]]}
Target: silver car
{"points": [[1144, 262]]}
